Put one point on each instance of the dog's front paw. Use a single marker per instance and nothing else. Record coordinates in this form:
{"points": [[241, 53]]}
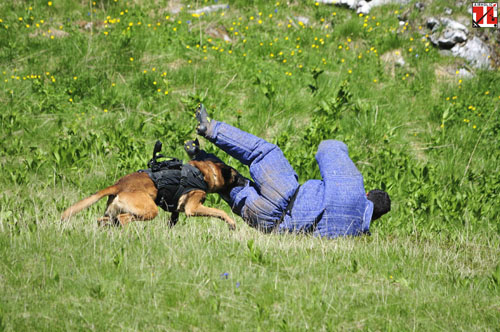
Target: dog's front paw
{"points": [[105, 222]]}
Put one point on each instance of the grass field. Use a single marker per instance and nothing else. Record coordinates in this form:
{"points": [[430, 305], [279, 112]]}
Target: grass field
{"points": [[86, 88]]}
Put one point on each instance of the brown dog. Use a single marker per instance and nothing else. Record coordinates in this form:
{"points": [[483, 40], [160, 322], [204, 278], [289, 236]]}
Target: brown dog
{"points": [[136, 196]]}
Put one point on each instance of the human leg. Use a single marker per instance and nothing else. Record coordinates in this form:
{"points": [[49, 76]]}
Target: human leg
{"points": [[271, 171]]}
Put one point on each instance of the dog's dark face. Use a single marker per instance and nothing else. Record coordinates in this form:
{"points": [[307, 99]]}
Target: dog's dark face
{"points": [[232, 179]]}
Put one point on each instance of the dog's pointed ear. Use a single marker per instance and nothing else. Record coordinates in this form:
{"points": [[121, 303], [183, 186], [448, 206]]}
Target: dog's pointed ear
{"points": [[197, 142]]}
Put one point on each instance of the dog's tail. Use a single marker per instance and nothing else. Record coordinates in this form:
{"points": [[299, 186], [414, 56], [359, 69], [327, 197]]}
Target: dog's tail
{"points": [[86, 202]]}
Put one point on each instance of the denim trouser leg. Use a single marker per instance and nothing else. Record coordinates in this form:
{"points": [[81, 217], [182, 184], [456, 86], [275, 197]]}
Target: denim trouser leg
{"points": [[275, 179]]}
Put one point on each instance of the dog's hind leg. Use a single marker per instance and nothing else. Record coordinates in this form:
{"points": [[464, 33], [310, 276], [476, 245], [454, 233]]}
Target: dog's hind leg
{"points": [[106, 220], [131, 206], [194, 207], [174, 218]]}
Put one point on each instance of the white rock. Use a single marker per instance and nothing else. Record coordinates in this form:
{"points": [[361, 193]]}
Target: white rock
{"points": [[352, 4], [433, 23], [367, 6], [475, 51], [208, 9], [464, 73], [451, 37], [454, 25], [302, 19]]}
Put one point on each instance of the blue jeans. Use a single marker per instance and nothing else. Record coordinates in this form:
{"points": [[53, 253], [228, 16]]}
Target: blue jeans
{"points": [[260, 203]]}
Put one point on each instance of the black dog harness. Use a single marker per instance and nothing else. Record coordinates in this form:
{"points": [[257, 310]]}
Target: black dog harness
{"points": [[173, 183], [173, 179]]}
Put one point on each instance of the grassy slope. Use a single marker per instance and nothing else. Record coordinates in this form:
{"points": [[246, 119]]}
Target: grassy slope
{"points": [[79, 111]]}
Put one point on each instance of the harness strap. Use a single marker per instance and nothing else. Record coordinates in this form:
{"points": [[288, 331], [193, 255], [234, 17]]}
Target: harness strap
{"points": [[289, 206]]}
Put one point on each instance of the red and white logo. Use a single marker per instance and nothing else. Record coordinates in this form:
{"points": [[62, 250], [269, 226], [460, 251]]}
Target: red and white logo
{"points": [[484, 15]]}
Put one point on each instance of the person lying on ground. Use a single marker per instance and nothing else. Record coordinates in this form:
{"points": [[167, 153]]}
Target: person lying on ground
{"points": [[335, 206]]}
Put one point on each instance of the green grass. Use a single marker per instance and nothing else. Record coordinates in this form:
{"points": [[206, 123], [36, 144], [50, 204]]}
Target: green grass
{"points": [[79, 111]]}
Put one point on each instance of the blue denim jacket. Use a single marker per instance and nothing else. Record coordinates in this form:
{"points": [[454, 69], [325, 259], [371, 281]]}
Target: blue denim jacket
{"points": [[336, 205]]}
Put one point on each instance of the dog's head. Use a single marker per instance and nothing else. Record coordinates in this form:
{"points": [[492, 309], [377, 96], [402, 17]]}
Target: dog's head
{"points": [[232, 178]]}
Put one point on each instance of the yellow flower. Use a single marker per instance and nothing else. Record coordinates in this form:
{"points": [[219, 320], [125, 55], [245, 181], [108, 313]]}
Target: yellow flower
{"points": [[131, 59], [105, 110], [49, 3]]}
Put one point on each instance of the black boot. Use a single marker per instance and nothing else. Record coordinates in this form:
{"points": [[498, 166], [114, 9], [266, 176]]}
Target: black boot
{"points": [[192, 148], [203, 120]]}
